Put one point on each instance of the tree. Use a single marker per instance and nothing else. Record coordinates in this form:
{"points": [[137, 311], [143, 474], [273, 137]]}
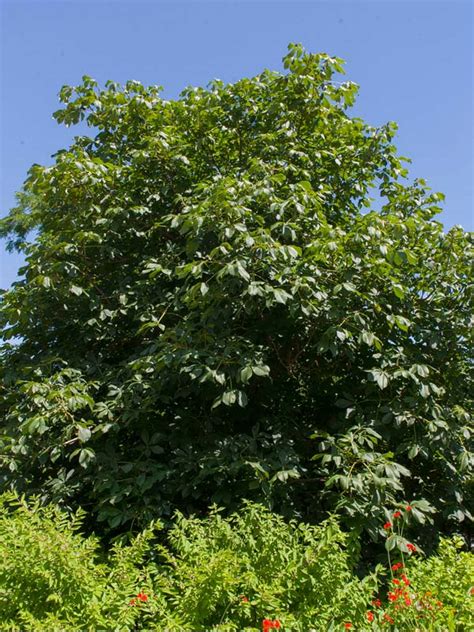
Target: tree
{"points": [[213, 307]]}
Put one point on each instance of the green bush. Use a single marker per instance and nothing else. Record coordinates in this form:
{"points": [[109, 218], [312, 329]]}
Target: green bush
{"points": [[53, 578], [254, 565], [216, 573], [444, 585]]}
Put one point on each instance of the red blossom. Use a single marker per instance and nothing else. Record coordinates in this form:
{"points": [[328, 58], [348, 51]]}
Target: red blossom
{"points": [[407, 601], [396, 581], [388, 618], [348, 626], [408, 508], [411, 547], [397, 566], [397, 514], [370, 616], [405, 580], [132, 602], [387, 525], [243, 598], [392, 596], [377, 603], [269, 624], [142, 596]]}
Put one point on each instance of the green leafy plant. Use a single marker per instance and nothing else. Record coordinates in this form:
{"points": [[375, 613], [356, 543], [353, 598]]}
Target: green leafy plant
{"points": [[425, 594], [254, 566], [213, 307], [250, 571], [54, 578]]}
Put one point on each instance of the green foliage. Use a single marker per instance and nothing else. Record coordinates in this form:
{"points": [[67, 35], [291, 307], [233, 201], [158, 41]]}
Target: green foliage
{"points": [[214, 308], [216, 573], [253, 565], [52, 578], [442, 588]]}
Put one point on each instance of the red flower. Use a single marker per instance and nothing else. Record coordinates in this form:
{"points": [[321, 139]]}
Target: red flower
{"points": [[132, 602], [408, 508], [407, 601], [397, 514], [392, 596], [348, 626], [411, 547], [388, 618], [376, 602], [268, 624], [405, 580], [387, 525], [243, 598], [396, 581], [397, 566], [142, 597], [370, 616]]}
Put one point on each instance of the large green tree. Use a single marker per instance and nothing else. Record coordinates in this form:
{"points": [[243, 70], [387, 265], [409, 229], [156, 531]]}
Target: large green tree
{"points": [[214, 307]]}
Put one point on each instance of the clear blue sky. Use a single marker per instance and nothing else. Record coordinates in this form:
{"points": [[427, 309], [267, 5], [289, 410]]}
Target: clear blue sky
{"points": [[412, 59]]}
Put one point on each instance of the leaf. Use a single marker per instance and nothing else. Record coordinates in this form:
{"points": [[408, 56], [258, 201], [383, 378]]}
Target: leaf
{"points": [[421, 369], [381, 377], [217, 402], [413, 451], [45, 281], [243, 272], [242, 399], [84, 434], [261, 370], [246, 374], [368, 337], [402, 322], [349, 287], [86, 456], [398, 291], [280, 296], [229, 397], [424, 391]]}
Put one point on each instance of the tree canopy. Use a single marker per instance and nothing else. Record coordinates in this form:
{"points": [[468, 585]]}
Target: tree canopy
{"points": [[236, 294]]}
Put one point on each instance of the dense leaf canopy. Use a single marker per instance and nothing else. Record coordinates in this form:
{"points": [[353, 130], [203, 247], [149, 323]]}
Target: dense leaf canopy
{"points": [[235, 294]]}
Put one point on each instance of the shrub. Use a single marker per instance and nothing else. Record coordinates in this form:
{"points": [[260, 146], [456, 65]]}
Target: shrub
{"points": [[53, 578], [253, 565], [250, 571], [47, 569], [444, 586]]}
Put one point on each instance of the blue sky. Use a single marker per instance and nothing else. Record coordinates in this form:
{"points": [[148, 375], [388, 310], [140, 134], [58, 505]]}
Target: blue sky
{"points": [[412, 59]]}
